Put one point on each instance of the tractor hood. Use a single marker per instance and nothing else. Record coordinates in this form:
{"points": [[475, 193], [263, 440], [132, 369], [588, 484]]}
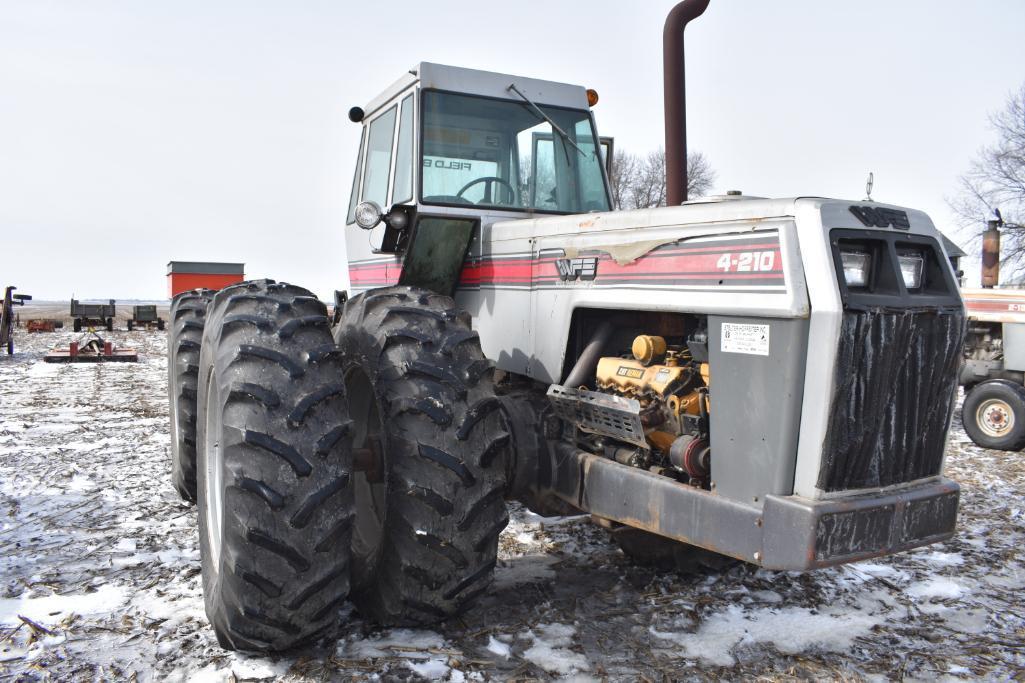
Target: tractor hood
{"points": [[628, 235]]}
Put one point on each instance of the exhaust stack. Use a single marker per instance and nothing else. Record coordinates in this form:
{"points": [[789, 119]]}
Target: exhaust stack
{"points": [[991, 255], [675, 89]]}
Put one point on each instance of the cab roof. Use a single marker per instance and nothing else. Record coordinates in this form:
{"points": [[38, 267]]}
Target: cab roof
{"points": [[483, 84]]}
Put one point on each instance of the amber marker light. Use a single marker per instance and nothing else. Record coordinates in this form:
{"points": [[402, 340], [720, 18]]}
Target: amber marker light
{"points": [[592, 97]]}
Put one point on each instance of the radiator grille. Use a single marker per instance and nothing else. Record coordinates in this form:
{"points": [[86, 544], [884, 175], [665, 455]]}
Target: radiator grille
{"points": [[895, 384]]}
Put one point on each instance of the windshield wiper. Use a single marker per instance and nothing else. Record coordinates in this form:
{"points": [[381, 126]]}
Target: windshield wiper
{"points": [[553, 124]]}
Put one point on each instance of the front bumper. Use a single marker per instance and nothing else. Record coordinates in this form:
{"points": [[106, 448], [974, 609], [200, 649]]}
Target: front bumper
{"points": [[786, 532]]}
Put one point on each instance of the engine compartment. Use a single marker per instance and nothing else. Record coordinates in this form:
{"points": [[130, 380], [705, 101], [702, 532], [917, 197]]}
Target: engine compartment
{"points": [[670, 380]]}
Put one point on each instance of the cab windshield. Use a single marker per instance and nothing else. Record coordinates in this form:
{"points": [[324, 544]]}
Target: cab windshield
{"points": [[503, 154]]}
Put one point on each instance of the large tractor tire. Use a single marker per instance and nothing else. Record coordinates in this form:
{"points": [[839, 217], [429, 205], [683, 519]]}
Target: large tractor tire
{"points": [[275, 463], [430, 444], [188, 314], [993, 415]]}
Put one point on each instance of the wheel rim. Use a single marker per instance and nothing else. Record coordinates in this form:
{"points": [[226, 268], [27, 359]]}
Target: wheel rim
{"points": [[369, 480], [213, 489], [995, 417]]}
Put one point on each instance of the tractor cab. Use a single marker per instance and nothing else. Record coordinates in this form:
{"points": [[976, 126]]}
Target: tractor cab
{"points": [[446, 151]]}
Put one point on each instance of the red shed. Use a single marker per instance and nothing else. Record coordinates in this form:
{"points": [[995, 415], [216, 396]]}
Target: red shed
{"points": [[185, 275]]}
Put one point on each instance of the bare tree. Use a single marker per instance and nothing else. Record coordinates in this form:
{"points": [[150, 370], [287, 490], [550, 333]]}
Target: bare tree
{"points": [[640, 182], [700, 175], [996, 182], [621, 178], [649, 187]]}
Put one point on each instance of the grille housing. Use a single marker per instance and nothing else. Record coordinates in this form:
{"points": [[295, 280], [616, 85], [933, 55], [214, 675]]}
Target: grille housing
{"points": [[896, 377]]}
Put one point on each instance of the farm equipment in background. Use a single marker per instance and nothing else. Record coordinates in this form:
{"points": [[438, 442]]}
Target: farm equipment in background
{"points": [[85, 316], [91, 348], [767, 379], [43, 325], [145, 316], [993, 372], [7, 317], [185, 276]]}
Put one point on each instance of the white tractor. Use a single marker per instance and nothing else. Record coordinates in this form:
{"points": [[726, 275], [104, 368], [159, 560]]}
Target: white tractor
{"points": [[993, 373], [769, 380]]}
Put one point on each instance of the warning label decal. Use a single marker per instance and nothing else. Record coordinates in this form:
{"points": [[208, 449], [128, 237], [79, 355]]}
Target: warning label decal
{"points": [[742, 338]]}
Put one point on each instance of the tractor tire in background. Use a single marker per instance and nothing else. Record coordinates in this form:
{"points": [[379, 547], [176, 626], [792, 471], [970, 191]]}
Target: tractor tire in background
{"points": [[160, 324], [274, 465], [188, 314], [110, 324], [76, 325], [651, 550], [993, 415], [129, 325], [430, 443]]}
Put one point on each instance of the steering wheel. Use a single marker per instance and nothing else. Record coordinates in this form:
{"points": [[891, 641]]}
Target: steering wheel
{"points": [[488, 182]]}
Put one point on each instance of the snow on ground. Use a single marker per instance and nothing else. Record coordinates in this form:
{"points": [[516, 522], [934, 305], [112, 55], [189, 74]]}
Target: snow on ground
{"points": [[99, 574]]}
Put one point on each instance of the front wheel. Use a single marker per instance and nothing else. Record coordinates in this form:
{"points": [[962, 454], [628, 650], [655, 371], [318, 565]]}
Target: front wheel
{"points": [[993, 415], [275, 467], [430, 446]]}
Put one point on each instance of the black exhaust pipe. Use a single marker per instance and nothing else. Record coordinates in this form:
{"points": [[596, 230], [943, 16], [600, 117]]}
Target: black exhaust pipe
{"points": [[675, 89], [991, 255]]}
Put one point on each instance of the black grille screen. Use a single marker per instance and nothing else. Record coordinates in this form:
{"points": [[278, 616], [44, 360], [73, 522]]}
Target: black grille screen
{"points": [[895, 382]]}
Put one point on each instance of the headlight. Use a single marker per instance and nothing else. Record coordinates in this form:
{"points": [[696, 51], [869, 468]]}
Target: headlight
{"points": [[368, 215], [911, 263], [856, 267]]}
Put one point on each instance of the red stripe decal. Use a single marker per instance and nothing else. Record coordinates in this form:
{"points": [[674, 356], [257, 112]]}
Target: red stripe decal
{"points": [[756, 263]]}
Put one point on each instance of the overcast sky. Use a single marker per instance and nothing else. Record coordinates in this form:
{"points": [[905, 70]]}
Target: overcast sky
{"points": [[134, 133]]}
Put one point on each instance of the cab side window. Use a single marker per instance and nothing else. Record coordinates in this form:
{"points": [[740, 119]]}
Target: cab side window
{"points": [[379, 151]]}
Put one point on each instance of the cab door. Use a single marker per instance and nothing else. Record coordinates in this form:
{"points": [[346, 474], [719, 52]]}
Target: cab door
{"points": [[608, 146]]}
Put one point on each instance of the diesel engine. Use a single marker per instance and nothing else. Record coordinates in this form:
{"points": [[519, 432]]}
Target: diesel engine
{"points": [[671, 385]]}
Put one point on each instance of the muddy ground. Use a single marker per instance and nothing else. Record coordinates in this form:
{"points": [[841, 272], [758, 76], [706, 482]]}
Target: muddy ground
{"points": [[100, 557]]}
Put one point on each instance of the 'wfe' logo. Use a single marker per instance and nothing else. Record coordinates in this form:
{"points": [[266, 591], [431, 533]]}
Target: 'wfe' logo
{"points": [[878, 217], [577, 268]]}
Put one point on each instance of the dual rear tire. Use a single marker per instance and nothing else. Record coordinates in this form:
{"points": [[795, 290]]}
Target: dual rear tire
{"points": [[376, 457], [184, 340]]}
